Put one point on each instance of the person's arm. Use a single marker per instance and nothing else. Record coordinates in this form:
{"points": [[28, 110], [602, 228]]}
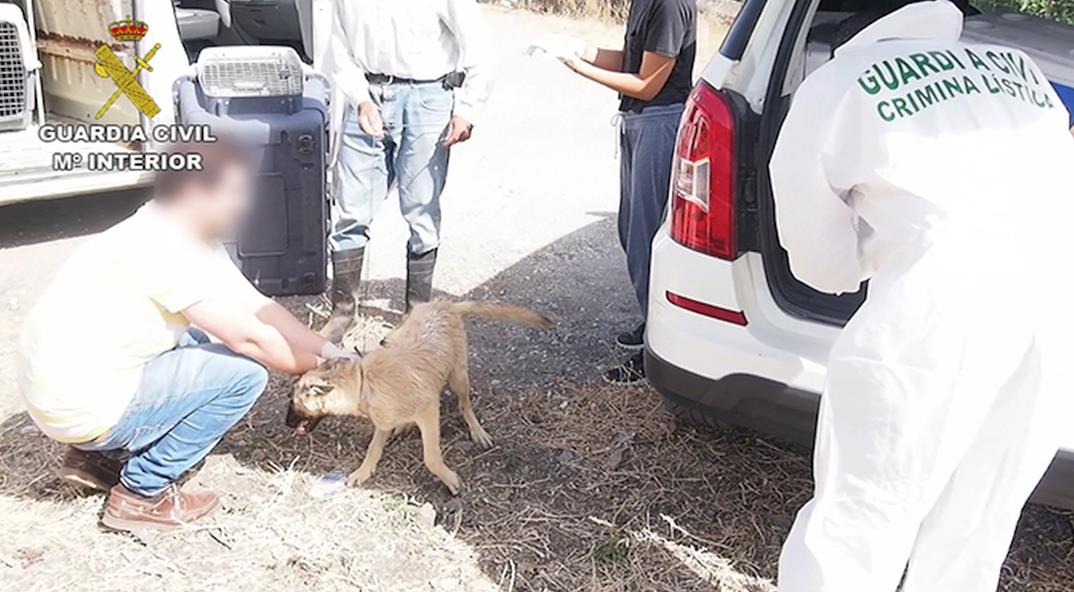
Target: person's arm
{"points": [[816, 226], [244, 333], [347, 74], [645, 85], [604, 58], [477, 61], [273, 314], [295, 331], [665, 35]]}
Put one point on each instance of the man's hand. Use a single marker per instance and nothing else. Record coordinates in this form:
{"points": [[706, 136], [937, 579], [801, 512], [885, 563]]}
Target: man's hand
{"points": [[369, 119], [459, 130], [574, 63]]}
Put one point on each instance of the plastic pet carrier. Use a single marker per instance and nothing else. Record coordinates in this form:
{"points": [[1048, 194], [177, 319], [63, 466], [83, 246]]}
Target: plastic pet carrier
{"points": [[18, 61], [266, 98]]}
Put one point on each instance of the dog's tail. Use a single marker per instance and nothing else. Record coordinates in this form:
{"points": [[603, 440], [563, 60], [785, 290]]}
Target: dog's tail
{"points": [[501, 312]]}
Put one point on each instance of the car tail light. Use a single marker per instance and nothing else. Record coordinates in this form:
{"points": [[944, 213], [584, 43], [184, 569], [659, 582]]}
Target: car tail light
{"points": [[703, 176]]}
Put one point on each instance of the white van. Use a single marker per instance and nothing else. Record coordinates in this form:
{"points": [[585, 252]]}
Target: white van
{"points": [[732, 336], [48, 77]]}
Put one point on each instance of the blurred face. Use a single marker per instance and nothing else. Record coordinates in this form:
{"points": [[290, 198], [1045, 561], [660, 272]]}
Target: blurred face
{"points": [[221, 207]]}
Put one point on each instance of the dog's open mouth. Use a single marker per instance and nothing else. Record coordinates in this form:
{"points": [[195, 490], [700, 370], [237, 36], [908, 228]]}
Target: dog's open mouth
{"points": [[306, 426], [300, 424]]}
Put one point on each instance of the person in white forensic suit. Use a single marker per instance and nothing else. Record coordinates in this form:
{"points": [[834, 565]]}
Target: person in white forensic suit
{"points": [[415, 75], [943, 173]]}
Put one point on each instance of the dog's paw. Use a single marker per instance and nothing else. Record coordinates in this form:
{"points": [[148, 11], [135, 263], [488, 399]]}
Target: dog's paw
{"points": [[481, 437], [453, 482], [359, 477]]}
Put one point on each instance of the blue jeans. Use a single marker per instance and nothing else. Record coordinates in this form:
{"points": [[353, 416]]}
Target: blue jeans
{"points": [[647, 147], [415, 117], [188, 399]]}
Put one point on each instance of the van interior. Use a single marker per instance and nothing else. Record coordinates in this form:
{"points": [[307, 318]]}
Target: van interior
{"points": [[214, 23], [54, 84]]}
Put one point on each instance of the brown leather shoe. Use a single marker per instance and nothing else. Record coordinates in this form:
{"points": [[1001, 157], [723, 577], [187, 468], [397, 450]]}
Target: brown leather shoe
{"points": [[173, 508], [89, 469]]}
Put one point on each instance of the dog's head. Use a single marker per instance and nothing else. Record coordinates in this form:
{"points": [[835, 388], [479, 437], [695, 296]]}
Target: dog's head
{"points": [[330, 389]]}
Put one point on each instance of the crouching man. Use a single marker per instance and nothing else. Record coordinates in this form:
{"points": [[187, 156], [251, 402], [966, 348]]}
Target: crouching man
{"points": [[111, 362]]}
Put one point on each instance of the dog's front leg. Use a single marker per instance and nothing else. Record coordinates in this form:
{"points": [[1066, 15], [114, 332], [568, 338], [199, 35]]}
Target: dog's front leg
{"points": [[429, 424], [372, 457]]}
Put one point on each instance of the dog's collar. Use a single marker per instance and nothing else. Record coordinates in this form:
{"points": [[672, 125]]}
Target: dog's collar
{"points": [[362, 397]]}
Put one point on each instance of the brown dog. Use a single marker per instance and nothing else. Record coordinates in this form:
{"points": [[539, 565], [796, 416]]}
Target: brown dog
{"points": [[400, 385]]}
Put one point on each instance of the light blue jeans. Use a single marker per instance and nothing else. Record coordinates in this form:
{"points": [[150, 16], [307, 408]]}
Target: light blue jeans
{"points": [[189, 398], [410, 154]]}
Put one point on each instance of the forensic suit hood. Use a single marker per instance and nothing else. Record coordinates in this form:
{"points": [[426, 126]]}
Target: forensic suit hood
{"points": [[941, 172]]}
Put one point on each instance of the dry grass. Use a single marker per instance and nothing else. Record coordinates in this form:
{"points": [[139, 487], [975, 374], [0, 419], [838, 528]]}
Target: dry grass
{"points": [[587, 489], [603, 9], [273, 536]]}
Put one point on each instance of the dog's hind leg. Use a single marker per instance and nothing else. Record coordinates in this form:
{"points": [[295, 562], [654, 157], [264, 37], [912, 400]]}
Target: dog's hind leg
{"points": [[372, 457], [429, 424], [459, 381]]}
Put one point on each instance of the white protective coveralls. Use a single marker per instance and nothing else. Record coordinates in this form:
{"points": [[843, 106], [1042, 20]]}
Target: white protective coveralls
{"points": [[944, 172]]}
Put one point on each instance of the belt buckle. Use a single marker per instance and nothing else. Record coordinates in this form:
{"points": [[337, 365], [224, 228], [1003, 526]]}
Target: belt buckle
{"points": [[381, 79]]}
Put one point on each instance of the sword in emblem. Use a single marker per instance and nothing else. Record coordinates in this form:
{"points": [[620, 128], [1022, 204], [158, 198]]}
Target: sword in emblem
{"points": [[110, 66]]}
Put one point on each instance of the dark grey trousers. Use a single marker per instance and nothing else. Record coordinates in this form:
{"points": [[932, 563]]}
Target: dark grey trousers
{"points": [[647, 146]]}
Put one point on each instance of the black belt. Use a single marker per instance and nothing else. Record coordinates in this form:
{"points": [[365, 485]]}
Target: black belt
{"points": [[450, 80], [389, 79]]}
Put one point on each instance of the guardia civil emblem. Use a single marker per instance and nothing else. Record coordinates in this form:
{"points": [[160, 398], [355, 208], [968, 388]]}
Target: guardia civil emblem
{"points": [[110, 66]]}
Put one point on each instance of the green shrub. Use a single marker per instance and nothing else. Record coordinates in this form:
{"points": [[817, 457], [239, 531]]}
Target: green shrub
{"points": [[1058, 10]]}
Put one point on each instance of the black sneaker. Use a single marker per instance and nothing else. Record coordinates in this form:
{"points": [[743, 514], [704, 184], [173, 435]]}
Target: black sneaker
{"points": [[631, 371], [632, 339]]}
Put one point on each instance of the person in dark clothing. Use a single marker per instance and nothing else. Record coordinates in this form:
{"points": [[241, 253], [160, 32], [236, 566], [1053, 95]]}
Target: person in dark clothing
{"points": [[653, 74]]}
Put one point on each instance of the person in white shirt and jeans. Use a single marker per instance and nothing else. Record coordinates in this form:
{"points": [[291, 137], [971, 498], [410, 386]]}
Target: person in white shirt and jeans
{"points": [[116, 361], [414, 74]]}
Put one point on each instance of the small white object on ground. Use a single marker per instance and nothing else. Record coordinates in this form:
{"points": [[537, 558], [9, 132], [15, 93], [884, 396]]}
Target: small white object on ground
{"points": [[427, 515], [328, 485]]}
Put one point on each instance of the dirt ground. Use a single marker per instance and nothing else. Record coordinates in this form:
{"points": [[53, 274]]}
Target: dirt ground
{"points": [[588, 487]]}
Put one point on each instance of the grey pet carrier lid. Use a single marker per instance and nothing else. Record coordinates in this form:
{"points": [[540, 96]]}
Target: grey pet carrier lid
{"points": [[250, 71]]}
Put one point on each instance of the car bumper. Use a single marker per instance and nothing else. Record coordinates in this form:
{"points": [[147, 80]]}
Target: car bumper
{"points": [[772, 407]]}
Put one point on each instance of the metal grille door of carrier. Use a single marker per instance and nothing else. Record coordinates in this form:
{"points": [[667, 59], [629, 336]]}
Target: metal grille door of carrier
{"points": [[252, 78], [12, 74]]}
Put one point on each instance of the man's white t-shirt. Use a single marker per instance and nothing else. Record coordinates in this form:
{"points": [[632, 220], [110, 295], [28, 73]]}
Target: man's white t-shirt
{"points": [[114, 305]]}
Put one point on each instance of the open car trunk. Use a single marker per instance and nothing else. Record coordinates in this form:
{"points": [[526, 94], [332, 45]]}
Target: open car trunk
{"points": [[805, 45], [791, 295]]}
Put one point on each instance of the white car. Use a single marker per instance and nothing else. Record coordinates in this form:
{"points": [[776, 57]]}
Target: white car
{"points": [[732, 336]]}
